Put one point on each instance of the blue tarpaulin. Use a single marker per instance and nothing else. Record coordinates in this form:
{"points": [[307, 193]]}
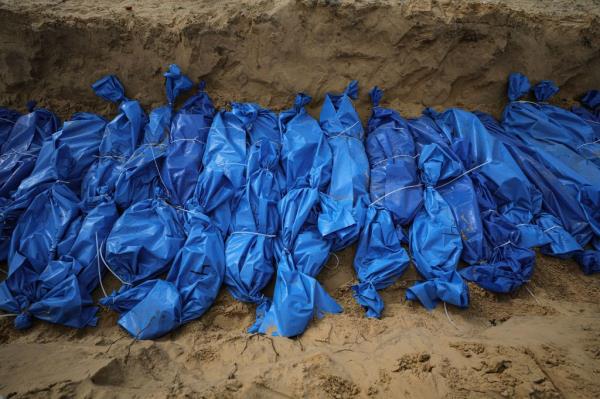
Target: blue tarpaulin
{"points": [[301, 249], [347, 194], [396, 194]]}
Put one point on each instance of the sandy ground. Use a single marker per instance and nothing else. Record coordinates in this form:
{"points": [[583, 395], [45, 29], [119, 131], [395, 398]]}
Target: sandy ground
{"points": [[543, 341]]}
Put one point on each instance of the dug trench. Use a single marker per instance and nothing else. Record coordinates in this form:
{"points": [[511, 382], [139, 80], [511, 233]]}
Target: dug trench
{"points": [[541, 341]]}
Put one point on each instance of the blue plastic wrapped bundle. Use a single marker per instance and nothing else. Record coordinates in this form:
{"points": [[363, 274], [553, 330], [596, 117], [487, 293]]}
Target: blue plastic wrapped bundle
{"points": [[22, 147], [437, 238], [66, 156], [567, 128], [347, 193], [542, 128], [301, 249], [156, 307], [144, 241], [397, 195], [8, 118], [183, 161], [508, 264], [590, 113], [121, 137], [140, 175], [221, 183], [516, 197], [33, 245], [250, 252], [453, 184], [64, 288]]}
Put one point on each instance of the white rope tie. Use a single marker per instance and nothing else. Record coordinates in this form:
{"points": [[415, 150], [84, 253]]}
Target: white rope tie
{"points": [[8, 120], [8, 315], [448, 316], [394, 191], [195, 140], [345, 130], [463, 174], [590, 143], [254, 233], [111, 270], [99, 273], [503, 245], [158, 170], [394, 157], [337, 262], [552, 228]]}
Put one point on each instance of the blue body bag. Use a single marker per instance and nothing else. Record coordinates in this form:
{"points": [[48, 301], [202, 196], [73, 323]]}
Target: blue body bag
{"points": [[8, 118], [121, 137], [301, 250], [33, 245], [156, 307], [347, 195], [396, 193]]}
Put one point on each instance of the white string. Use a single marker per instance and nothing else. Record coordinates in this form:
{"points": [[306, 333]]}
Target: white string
{"points": [[345, 130], [230, 163], [99, 273], [254, 233], [503, 245], [158, 170], [467, 172], [337, 262], [111, 270], [531, 293], [592, 142], [8, 120], [394, 191], [591, 121], [196, 140], [551, 228], [62, 181], [448, 316], [394, 157], [8, 315]]}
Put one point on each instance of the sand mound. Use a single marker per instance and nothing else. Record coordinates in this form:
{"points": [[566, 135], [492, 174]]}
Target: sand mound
{"points": [[541, 342]]}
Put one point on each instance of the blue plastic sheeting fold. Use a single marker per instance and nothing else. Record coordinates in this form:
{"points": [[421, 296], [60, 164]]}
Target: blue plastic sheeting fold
{"points": [[221, 183], [397, 195], [121, 137], [144, 241], [250, 251], [156, 307], [448, 223], [33, 245], [379, 260], [8, 118], [301, 250], [140, 176], [348, 195], [183, 161], [22, 147]]}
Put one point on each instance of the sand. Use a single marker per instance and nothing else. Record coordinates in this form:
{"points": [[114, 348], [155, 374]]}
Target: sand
{"points": [[542, 341]]}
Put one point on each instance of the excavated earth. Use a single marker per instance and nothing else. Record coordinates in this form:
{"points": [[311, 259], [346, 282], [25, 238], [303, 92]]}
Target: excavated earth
{"points": [[542, 341]]}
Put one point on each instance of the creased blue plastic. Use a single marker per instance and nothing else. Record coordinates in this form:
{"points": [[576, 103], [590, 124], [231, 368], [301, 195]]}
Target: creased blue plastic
{"points": [[144, 241], [250, 252], [140, 176], [156, 307], [121, 137], [348, 195], [301, 250], [435, 235], [33, 245], [183, 161], [396, 193], [8, 118]]}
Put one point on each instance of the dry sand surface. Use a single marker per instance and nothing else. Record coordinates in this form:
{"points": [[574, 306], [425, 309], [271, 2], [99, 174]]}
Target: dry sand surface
{"points": [[543, 341]]}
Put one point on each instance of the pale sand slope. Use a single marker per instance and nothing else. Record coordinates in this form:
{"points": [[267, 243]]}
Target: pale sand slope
{"points": [[422, 53], [546, 346]]}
